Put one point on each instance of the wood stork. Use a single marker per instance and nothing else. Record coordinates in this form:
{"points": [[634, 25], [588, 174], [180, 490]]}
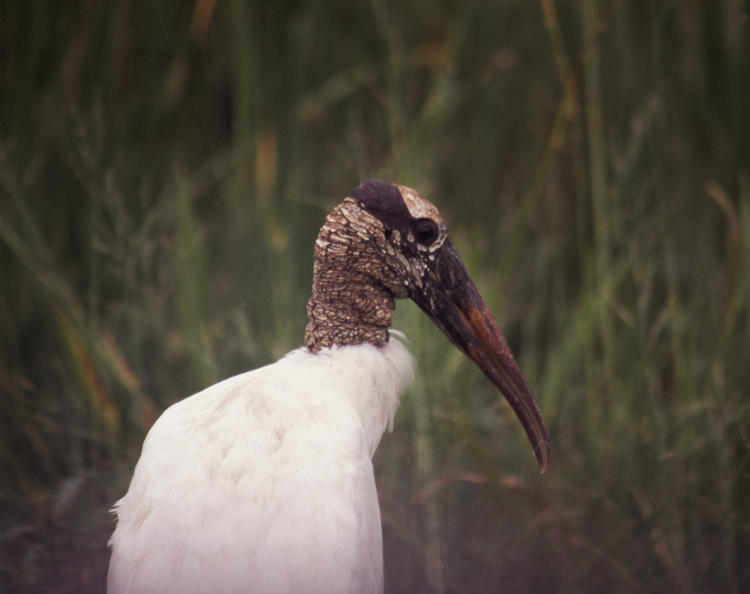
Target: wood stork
{"points": [[264, 481]]}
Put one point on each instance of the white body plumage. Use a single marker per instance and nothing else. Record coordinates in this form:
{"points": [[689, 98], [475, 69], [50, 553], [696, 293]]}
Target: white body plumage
{"points": [[264, 482]]}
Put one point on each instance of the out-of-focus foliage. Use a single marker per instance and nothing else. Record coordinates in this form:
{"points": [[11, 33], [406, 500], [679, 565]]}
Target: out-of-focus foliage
{"points": [[164, 168]]}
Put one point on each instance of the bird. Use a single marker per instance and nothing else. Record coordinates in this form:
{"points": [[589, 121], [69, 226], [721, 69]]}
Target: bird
{"points": [[264, 481]]}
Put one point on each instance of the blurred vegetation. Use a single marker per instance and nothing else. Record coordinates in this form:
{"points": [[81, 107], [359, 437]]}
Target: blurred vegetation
{"points": [[165, 167]]}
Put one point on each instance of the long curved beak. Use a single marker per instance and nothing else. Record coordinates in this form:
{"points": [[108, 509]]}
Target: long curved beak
{"points": [[450, 298]]}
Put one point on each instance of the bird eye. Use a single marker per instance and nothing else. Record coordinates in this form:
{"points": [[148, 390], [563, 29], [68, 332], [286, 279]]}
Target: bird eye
{"points": [[426, 231]]}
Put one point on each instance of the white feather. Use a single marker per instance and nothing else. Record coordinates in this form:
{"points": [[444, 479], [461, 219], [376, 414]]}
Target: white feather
{"points": [[264, 481]]}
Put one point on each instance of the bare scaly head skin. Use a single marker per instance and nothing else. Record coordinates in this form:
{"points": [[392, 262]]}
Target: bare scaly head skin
{"points": [[367, 254], [420, 208], [347, 305]]}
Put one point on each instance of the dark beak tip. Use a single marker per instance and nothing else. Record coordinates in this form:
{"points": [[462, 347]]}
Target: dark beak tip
{"points": [[542, 453]]}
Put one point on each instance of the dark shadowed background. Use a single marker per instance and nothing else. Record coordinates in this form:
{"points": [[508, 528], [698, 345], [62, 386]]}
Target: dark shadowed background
{"points": [[165, 167]]}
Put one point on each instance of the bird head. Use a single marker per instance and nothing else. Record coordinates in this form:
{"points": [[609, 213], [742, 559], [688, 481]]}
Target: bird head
{"points": [[386, 241]]}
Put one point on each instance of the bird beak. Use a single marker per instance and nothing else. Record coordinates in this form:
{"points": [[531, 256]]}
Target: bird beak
{"points": [[450, 298]]}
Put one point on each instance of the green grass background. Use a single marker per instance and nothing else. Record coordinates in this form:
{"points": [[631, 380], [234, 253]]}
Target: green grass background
{"points": [[165, 167]]}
